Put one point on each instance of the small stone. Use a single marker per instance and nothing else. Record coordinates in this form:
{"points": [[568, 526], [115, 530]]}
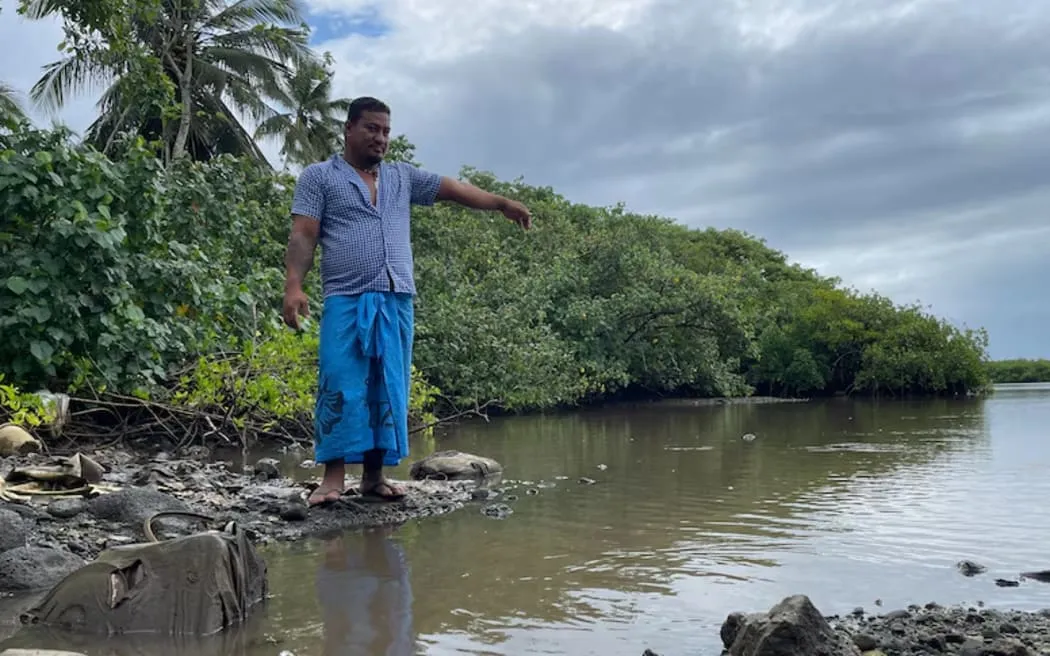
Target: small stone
{"points": [[1006, 583], [858, 612], [267, 469], [897, 615], [1006, 627], [66, 508], [865, 642], [293, 512], [972, 647], [1005, 647], [497, 511]]}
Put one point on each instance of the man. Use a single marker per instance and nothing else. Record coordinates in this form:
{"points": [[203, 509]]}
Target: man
{"points": [[357, 207]]}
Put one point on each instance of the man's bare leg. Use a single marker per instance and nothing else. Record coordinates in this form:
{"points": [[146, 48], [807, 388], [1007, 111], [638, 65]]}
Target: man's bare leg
{"points": [[332, 483], [372, 480]]}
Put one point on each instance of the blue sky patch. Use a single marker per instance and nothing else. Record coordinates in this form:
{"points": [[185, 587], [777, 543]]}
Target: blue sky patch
{"points": [[329, 25]]}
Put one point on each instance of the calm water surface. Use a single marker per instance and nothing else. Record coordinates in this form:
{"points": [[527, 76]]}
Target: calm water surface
{"points": [[846, 501]]}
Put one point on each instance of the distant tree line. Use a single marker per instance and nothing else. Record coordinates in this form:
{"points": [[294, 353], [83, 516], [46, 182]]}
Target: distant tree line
{"points": [[1019, 371]]}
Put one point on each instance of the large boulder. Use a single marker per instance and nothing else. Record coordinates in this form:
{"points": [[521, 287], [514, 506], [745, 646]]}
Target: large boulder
{"points": [[792, 627], [35, 568], [454, 466]]}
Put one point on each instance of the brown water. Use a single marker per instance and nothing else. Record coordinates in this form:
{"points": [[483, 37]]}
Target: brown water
{"points": [[846, 501]]}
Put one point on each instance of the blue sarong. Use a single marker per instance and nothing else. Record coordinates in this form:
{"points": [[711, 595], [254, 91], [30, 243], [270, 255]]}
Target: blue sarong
{"points": [[364, 380]]}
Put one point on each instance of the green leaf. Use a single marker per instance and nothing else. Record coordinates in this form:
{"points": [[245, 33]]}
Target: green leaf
{"points": [[42, 351], [17, 284], [41, 313], [134, 313]]}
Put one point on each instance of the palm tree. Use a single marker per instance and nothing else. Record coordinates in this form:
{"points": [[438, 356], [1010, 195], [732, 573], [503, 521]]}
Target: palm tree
{"points": [[219, 56], [313, 124], [9, 107]]}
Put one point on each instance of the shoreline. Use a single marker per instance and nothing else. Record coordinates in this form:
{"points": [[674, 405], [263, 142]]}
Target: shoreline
{"points": [[47, 536], [795, 627]]}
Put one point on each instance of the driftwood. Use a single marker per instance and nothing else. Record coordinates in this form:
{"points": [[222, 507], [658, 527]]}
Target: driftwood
{"points": [[114, 418]]}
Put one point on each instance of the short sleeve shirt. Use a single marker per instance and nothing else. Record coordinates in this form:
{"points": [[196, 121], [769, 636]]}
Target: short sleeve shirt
{"points": [[364, 247]]}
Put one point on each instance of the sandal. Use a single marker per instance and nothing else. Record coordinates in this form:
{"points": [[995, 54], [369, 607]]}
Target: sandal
{"points": [[381, 492], [322, 496]]}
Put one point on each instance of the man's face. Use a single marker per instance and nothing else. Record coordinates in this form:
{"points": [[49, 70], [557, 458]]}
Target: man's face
{"points": [[369, 136]]}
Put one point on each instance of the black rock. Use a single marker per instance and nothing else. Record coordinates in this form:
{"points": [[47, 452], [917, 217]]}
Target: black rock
{"points": [[66, 508], [865, 642], [294, 512], [267, 469], [13, 530], [34, 568]]}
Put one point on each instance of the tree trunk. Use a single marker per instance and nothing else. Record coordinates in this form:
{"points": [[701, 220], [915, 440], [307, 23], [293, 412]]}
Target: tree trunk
{"points": [[186, 98]]}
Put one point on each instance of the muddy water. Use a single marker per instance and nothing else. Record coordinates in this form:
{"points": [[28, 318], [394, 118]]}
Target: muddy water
{"points": [[847, 501]]}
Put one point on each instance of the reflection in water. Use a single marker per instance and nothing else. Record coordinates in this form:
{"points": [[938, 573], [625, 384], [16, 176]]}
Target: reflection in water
{"points": [[365, 596]]}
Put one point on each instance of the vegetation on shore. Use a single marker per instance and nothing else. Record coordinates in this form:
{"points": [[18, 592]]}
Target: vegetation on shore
{"points": [[1019, 371], [137, 264]]}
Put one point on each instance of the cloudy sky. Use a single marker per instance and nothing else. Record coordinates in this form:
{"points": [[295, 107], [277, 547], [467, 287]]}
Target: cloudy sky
{"points": [[893, 143]]}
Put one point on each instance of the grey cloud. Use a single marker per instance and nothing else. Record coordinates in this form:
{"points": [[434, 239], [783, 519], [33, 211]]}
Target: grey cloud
{"points": [[846, 136]]}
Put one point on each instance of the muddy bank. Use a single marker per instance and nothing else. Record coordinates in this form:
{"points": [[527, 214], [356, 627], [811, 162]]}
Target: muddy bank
{"points": [[45, 536], [794, 627]]}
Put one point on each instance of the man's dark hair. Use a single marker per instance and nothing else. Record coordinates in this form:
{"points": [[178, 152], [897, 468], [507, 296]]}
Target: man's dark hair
{"points": [[365, 104]]}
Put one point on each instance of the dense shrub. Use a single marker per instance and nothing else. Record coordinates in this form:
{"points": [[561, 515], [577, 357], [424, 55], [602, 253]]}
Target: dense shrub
{"points": [[125, 275]]}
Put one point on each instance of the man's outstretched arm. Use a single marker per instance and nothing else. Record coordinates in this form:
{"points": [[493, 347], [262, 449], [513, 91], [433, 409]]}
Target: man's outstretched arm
{"points": [[470, 196]]}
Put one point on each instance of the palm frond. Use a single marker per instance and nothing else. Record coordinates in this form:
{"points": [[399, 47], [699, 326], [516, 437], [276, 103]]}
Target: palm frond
{"points": [[9, 105], [66, 76], [247, 13]]}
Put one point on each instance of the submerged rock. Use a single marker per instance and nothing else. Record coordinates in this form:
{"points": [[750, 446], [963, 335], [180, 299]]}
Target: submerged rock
{"points": [[970, 568], [497, 511], [267, 469], [454, 465]]}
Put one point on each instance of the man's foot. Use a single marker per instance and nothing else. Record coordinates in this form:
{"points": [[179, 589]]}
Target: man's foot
{"points": [[323, 495], [331, 487], [380, 490]]}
